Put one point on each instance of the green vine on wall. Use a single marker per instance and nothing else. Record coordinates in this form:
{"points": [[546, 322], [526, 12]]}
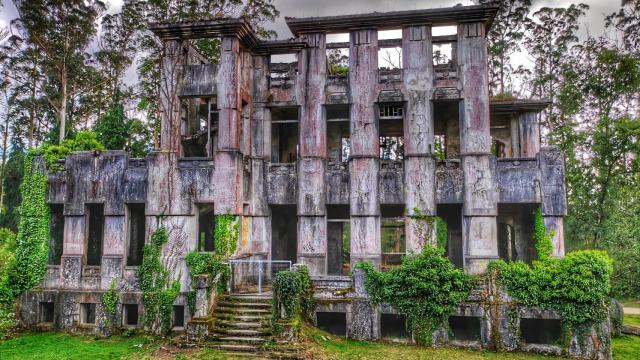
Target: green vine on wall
{"points": [[577, 286], [426, 288], [426, 229], [226, 235], [158, 290], [110, 301], [202, 263], [292, 298]]}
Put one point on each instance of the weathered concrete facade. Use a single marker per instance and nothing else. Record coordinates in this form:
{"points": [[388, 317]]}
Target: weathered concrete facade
{"points": [[322, 168]]}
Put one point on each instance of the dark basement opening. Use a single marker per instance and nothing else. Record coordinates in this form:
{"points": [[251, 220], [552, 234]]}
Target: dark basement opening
{"points": [[465, 328], [332, 322]]}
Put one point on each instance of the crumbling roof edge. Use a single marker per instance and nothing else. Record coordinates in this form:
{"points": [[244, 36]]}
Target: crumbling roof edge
{"points": [[385, 20], [518, 105]]}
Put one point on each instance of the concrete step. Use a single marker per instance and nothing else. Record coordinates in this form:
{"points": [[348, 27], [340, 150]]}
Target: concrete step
{"points": [[244, 355], [222, 339], [247, 298], [244, 305], [243, 332], [244, 318], [242, 310], [234, 347], [230, 324]]}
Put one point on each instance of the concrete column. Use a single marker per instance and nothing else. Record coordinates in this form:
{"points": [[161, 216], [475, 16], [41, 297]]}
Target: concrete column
{"points": [[171, 77], [479, 228], [515, 136], [419, 150], [529, 134], [227, 86], [312, 224], [364, 163], [554, 200]]}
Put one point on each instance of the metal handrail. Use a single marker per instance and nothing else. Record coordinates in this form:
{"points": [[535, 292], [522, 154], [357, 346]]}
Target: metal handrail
{"points": [[259, 262]]}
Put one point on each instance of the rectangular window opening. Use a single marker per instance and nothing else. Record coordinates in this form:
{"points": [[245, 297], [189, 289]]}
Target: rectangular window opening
{"points": [[87, 313], [390, 58], [47, 312], [206, 228], [515, 232], [130, 315], [391, 132], [465, 328], [451, 214], [442, 54], [390, 34], [284, 135], [178, 316], [95, 234], [284, 232], [541, 331], [339, 240], [199, 126], [338, 137], [393, 326], [338, 61], [447, 128], [392, 235], [332, 322], [444, 30], [56, 234], [137, 223]]}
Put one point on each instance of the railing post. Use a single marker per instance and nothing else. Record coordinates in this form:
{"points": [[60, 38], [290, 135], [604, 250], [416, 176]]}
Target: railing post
{"points": [[259, 277]]}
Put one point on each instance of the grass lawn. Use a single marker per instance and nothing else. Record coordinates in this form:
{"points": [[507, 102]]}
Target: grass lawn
{"points": [[64, 346], [318, 345], [631, 319], [632, 303]]}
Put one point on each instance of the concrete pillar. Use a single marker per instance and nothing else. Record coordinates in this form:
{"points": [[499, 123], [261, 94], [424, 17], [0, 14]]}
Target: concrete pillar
{"points": [[229, 105], [515, 136], [479, 228], [364, 162], [171, 77], [529, 128], [312, 224], [419, 150], [73, 250], [554, 200]]}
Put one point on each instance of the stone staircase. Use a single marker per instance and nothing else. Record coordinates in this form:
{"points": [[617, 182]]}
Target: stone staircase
{"points": [[243, 328]]}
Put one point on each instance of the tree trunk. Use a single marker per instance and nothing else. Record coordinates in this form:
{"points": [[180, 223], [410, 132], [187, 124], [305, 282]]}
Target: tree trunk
{"points": [[32, 113], [5, 147], [63, 102]]}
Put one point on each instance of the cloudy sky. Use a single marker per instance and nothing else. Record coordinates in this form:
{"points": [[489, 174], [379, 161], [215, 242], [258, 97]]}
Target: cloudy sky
{"points": [[593, 22]]}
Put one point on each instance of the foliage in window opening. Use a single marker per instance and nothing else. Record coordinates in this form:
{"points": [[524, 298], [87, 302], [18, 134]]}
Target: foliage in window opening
{"points": [[158, 290], [426, 288], [110, 301], [577, 287], [226, 235], [292, 297], [425, 224]]}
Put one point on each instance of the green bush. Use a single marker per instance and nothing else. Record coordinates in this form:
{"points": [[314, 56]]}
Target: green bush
{"points": [[292, 296], [158, 290], [200, 263], [110, 302], [577, 286], [226, 235], [542, 238], [426, 288]]}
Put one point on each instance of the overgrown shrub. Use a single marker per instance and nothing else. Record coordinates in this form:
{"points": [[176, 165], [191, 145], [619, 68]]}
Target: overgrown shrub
{"points": [[226, 235], [158, 290], [82, 141], [7, 256], [542, 238], [202, 263], [292, 296], [110, 303], [426, 288]]}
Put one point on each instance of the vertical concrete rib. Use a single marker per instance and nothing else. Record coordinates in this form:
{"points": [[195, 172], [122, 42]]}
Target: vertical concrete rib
{"points": [[312, 225], [364, 161], [480, 195], [419, 163]]}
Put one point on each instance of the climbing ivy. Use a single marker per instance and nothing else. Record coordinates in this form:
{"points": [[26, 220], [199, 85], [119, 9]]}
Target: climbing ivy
{"points": [[542, 238], [426, 288], [158, 290], [200, 263], [426, 228], [110, 303], [576, 286], [226, 235], [292, 297]]}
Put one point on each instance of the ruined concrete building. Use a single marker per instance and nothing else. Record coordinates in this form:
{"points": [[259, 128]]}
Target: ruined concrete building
{"points": [[326, 163]]}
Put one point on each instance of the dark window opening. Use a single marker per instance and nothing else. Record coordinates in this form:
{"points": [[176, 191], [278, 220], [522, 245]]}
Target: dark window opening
{"points": [[446, 118], [332, 322], [130, 314], [392, 235], [46, 312], [391, 111], [56, 234], [391, 132], [393, 326], [515, 232], [338, 240], [96, 234], [284, 135], [498, 148], [541, 331], [465, 328], [452, 215], [284, 232], [88, 313], [206, 228], [199, 127], [136, 234], [178, 315], [338, 141]]}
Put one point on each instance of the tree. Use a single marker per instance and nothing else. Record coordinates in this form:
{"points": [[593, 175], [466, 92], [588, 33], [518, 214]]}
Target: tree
{"points": [[112, 128], [627, 21], [504, 39], [61, 30]]}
